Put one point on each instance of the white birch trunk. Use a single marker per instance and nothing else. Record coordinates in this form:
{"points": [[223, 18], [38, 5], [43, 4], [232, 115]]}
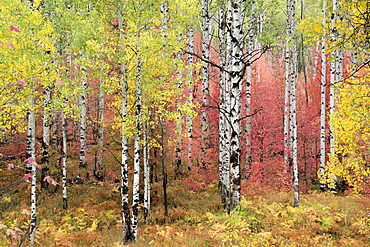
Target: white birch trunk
{"points": [[323, 107], [126, 223], [64, 161], [31, 143], [146, 167], [179, 116], [236, 82], [224, 144], [189, 99], [135, 190], [205, 76], [292, 76], [46, 127], [336, 74], [83, 120]]}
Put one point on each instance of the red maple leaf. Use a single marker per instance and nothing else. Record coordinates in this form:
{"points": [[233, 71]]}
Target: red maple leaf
{"points": [[10, 166], [13, 28], [27, 177], [30, 160], [50, 180]]}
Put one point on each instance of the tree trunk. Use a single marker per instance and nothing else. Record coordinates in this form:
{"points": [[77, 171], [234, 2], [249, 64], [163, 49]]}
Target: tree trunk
{"points": [[323, 107], [251, 40], [126, 222], [46, 127], [45, 139], [146, 160], [291, 62], [135, 190], [83, 120], [178, 154], [205, 77], [336, 70], [189, 100], [30, 166], [64, 161], [224, 144], [237, 73]]}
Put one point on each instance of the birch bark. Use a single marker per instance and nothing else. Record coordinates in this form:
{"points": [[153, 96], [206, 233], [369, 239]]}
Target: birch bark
{"points": [[64, 161], [135, 190], [291, 62], [83, 120], [205, 76], [146, 160], [189, 99], [237, 72], [323, 106], [224, 144], [31, 143], [126, 222]]}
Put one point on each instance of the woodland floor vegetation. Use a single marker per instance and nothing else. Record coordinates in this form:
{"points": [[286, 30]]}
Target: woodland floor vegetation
{"points": [[195, 218]]}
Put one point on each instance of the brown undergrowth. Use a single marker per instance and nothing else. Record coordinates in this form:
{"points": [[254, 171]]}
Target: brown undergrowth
{"points": [[194, 219]]}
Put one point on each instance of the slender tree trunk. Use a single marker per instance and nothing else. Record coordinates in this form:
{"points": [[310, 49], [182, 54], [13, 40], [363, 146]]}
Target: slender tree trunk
{"points": [[205, 77], [146, 160], [135, 190], [323, 107], [179, 116], [189, 100], [46, 127], [83, 119], [336, 70], [46, 138], [31, 143], [126, 222], [291, 62], [64, 161], [237, 73], [224, 144], [251, 40]]}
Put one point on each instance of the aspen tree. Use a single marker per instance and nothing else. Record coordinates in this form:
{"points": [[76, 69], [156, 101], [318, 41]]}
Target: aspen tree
{"points": [[46, 126], [238, 8], [64, 160], [323, 105], [138, 101], [291, 76], [224, 145], [83, 116], [336, 71], [205, 75], [126, 222], [146, 168], [189, 99]]}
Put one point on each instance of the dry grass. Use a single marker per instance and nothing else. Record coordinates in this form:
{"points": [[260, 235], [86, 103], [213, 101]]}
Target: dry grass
{"points": [[194, 219]]}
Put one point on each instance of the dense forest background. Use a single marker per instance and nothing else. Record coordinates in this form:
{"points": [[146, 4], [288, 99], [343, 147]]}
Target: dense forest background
{"points": [[184, 123]]}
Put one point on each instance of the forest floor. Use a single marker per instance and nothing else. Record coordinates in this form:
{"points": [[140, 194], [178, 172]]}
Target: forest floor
{"points": [[194, 218]]}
